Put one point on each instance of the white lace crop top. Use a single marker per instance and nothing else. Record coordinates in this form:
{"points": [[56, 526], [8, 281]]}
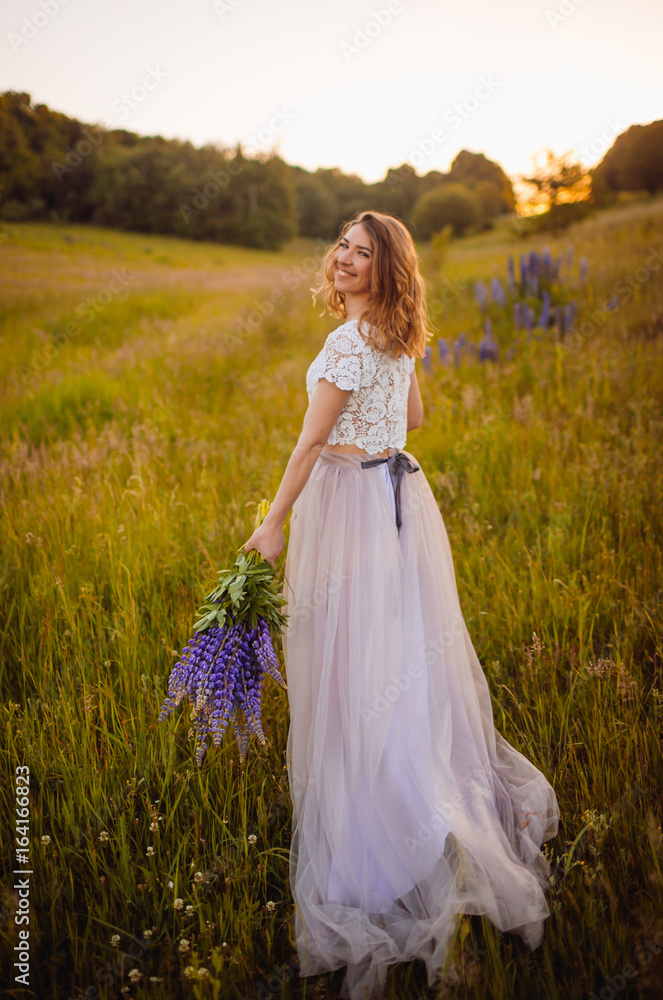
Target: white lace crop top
{"points": [[375, 415]]}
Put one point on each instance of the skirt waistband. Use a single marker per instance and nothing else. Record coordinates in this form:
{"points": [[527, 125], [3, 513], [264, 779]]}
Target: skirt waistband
{"points": [[350, 458], [398, 462]]}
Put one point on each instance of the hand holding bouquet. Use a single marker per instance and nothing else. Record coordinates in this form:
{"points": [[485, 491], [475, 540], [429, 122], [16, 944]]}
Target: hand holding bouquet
{"points": [[223, 666]]}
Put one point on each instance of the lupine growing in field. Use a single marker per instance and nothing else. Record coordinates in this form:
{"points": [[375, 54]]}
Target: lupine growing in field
{"points": [[426, 362], [516, 315], [497, 291], [480, 294], [222, 668], [459, 344], [487, 345], [443, 350], [539, 278]]}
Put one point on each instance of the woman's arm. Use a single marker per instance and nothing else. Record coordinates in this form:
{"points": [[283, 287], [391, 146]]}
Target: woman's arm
{"points": [[324, 409], [415, 406]]}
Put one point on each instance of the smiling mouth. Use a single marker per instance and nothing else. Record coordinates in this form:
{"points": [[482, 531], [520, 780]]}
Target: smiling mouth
{"points": [[343, 273]]}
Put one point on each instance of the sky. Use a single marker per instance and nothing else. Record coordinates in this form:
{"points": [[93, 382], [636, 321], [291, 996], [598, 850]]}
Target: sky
{"points": [[357, 85]]}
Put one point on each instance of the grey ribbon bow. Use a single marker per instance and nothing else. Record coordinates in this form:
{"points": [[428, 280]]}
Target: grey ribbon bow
{"points": [[397, 464]]}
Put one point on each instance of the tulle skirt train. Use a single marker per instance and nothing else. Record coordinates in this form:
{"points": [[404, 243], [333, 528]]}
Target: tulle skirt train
{"points": [[408, 806]]}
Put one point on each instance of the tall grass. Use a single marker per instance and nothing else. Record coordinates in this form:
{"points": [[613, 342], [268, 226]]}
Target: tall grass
{"points": [[130, 466]]}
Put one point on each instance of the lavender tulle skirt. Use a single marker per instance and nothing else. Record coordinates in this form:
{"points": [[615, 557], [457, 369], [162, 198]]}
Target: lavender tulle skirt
{"points": [[409, 808]]}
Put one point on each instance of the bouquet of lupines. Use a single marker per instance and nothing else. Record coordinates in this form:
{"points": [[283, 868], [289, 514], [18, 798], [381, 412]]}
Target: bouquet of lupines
{"points": [[223, 666]]}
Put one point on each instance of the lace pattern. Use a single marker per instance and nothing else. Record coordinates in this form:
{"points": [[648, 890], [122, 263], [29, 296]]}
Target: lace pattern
{"points": [[375, 415]]}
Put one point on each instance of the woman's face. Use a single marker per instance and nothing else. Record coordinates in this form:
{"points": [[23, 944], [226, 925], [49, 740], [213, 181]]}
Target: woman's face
{"points": [[353, 261]]}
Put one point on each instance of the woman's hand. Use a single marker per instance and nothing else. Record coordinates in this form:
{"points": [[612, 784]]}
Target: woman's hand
{"points": [[268, 539]]}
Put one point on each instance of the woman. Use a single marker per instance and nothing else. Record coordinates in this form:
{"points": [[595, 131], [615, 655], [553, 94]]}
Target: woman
{"points": [[408, 806]]}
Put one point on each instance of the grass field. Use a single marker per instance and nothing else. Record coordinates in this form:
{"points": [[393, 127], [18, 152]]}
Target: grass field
{"points": [[152, 392]]}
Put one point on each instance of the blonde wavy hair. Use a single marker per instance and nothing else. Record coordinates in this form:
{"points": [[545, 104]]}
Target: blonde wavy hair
{"points": [[397, 313]]}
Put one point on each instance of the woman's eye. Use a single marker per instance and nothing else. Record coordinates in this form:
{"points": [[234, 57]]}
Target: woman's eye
{"points": [[343, 246]]}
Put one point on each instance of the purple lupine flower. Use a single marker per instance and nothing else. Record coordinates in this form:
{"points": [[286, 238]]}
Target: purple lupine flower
{"points": [[426, 360], [497, 291], [583, 268], [222, 667], [222, 671], [487, 348], [480, 294], [459, 344], [516, 315], [443, 350], [569, 254], [533, 262]]}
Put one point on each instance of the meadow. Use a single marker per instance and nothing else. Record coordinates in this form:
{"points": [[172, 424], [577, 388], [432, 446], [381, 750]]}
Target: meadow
{"points": [[153, 390]]}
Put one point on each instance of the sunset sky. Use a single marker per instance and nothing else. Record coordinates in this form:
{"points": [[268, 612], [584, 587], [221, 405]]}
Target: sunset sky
{"points": [[360, 86]]}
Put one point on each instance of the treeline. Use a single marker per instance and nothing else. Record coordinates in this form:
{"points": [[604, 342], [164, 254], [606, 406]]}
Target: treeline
{"points": [[58, 169]]}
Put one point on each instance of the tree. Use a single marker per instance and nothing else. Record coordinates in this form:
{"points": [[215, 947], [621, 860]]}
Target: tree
{"points": [[317, 207], [447, 204], [557, 181], [474, 169], [634, 162]]}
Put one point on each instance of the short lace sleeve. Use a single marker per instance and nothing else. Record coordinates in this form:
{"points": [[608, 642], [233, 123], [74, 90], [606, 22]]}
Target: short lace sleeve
{"points": [[341, 359]]}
